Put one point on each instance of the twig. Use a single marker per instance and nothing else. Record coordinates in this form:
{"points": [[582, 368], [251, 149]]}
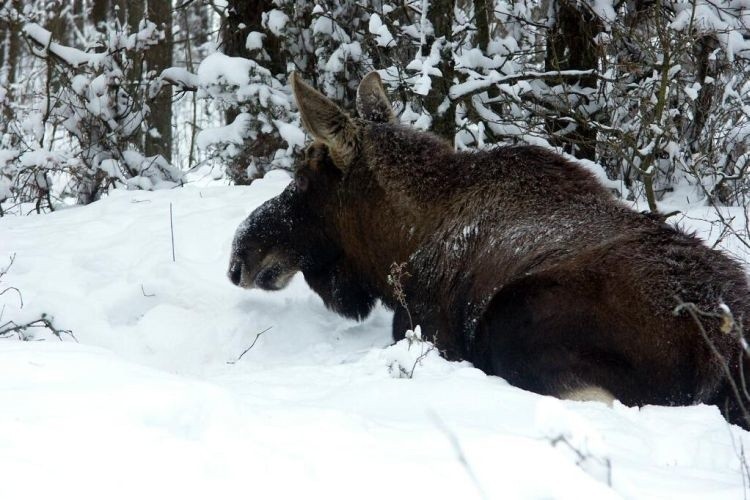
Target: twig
{"points": [[251, 346], [695, 314], [583, 457], [460, 455], [419, 359], [3, 272], [395, 278], [11, 327], [171, 230], [745, 470]]}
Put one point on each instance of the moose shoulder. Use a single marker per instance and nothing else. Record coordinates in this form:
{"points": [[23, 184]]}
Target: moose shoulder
{"points": [[514, 258]]}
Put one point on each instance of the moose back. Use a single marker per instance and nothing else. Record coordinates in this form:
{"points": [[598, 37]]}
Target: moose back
{"points": [[512, 258]]}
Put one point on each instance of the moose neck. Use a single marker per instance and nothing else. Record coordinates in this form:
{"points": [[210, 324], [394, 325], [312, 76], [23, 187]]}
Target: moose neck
{"points": [[386, 225], [376, 235]]}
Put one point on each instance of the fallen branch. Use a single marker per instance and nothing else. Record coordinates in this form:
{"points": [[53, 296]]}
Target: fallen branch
{"points": [[11, 327]]}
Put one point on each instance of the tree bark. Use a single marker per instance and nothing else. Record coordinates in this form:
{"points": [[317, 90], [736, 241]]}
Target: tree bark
{"points": [[12, 55], [79, 16], [58, 26], [481, 19], [99, 9], [438, 104], [570, 46], [135, 13], [706, 66], [244, 16], [158, 58]]}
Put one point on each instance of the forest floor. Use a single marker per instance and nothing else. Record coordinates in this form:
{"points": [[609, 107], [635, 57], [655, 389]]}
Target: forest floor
{"points": [[152, 400]]}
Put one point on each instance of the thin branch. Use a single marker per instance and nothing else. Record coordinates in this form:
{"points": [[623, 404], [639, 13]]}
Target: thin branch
{"points": [[171, 230], [11, 328], [695, 313], [251, 346], [460, 455]]}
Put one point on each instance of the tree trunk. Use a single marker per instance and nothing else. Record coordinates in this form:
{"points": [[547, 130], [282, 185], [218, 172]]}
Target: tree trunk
{"points": [[159, 57], [121, 11], [79, 17], [99, 9], [706, 67], [12, 55], [438, 104], [570, 46], [481, 20], [58, 26], [136, 11], [244, 16]]}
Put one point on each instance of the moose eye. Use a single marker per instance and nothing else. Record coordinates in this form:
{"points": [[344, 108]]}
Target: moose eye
{"points": [[302, 182]]}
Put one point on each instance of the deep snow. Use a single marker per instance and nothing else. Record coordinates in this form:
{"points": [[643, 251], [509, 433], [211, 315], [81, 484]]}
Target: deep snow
{"points": [[148, 405]]}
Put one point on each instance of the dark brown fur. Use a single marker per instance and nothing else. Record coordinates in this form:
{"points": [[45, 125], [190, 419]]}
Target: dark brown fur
{"points": [[519, 260]]}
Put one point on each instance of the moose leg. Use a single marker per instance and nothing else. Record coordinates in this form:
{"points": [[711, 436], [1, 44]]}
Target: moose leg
{"points": [[589, 393], [547, 335], [734, 399], [436, 325], [401, 323]]}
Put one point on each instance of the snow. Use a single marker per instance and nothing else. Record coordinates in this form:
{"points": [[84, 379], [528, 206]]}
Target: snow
{"points": [[110, 167], [181, 77], [219, 67], [706, 17], [254, 40], [383, 37], [39, 158], [426, 67], [5, 191], [291, 133], [604, 10], [323, 25], [275, 20], [153, 401], [72, 56], [234, 133]]}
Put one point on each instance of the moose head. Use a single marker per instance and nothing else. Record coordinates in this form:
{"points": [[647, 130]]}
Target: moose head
{"points": [[302, 228]]}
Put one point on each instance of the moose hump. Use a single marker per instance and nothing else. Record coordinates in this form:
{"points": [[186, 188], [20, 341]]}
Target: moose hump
{"points": [[513, 258]]}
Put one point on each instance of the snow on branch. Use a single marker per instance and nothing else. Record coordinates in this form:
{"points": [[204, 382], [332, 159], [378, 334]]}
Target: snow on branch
{"points": [[182, 78], [472, 86], [44, 45]]}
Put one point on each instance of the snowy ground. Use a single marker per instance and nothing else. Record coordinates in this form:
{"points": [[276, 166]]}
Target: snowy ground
{"points": [[148, 404]]}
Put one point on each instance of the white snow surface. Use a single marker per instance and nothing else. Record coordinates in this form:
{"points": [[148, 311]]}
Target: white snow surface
{"points": [[146, 404], [254, 40]]}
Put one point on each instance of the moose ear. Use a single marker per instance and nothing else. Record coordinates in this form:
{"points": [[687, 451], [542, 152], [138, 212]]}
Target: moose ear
{"points": [[326, 122], [372, 103]]}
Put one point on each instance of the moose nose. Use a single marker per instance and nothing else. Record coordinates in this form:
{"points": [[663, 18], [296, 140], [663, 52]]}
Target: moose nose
{"points": [[235, 272]]}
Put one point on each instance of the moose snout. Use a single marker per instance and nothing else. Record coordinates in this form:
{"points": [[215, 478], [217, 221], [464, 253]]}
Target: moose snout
{"points": [[235, 272], [244, 267], [271, 271]]}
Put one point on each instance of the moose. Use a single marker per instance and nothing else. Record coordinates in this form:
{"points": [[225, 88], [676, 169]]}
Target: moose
{"points": [[513, 258]]}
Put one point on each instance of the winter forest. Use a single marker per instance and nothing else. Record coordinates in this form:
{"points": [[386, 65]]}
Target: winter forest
{"points": [[104, 94], [136, 135]]}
